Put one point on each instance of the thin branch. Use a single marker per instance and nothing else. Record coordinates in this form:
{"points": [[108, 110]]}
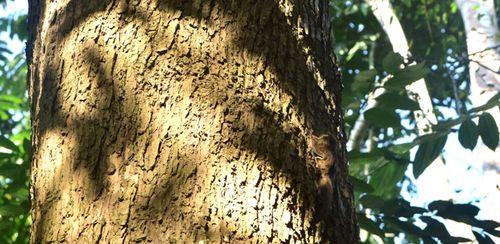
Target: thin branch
{"points": [[484, 50], [484, 66], [458, 102]]}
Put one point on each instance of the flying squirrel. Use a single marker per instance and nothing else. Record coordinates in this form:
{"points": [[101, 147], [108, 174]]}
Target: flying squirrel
{"points": [[322, 148]]}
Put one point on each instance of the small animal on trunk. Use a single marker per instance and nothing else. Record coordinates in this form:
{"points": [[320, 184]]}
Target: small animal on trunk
{"points": [[322, 148]]}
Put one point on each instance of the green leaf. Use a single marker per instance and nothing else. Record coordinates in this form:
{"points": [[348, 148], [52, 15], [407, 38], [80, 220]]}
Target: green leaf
{"points": [[446, 125], [362, 162], [454, 7], [10, 98], [445, 208], [360, 45], [407, 76], [392, 62], [488, 130], [363, 81], [6, 143], [407, 211], [22, 194], [360, 185], [427, 152], [392, 100], [370, 226], [372, 202], [464, 213], [7, 105], [382, 117], [391, 207], [486, 224], [438, 229], [11, 170], [6, 155], [5, 224], [27, 146], [406, 227], [493, 102], [482, 239], [385, 179], [401, 148], [11, 210], [3, 49], [468, 134], [493, 232]]}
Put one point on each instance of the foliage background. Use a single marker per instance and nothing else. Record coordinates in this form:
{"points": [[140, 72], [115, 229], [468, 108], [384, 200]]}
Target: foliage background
{"points": [[15, 143], [437, 40]]}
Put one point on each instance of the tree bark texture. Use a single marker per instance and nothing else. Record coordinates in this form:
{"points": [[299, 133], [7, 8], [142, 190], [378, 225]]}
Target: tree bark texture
{"points": [[182, 121]]}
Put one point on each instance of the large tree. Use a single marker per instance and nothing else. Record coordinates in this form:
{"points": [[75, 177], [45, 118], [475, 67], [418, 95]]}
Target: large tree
{"points": [[186, 121]]}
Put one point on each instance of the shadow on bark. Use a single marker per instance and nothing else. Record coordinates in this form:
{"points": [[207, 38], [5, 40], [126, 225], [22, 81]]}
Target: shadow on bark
{"points": [[275, 42]]}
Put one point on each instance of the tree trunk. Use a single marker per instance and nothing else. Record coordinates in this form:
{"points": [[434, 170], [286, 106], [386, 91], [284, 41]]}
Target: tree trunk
{"points": [[183, 121], [483, 48]]}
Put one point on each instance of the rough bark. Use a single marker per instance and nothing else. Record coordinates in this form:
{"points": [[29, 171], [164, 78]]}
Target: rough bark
{"points": [[184, 121]]}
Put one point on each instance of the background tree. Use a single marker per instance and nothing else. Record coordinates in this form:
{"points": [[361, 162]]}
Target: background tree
{"points": [[483, 44], [384, 153]]}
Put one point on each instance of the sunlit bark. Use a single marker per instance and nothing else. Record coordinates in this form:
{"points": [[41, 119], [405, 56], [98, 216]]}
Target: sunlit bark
{"points": [[184, 121]]}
